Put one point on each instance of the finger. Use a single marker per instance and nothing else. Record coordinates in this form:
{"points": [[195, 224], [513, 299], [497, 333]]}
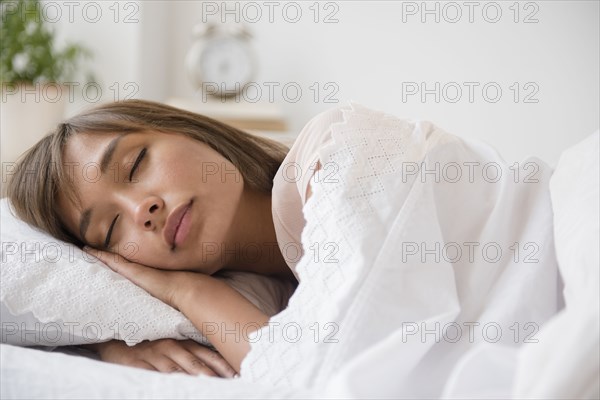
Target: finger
{"points": [[116, 262], [211, 358], [168, 365], [178, 353], [141, 364], [152, 280], [192, 364]]}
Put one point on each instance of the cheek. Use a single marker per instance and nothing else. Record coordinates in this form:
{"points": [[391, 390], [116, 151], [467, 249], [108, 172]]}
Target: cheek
{"points": [[134, 250], [183, 166], [170, 172], [220, 174], [144, 250]]}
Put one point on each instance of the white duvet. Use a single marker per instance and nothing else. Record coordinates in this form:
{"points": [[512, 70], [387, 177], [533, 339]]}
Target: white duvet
{"points": [[429, 271]]}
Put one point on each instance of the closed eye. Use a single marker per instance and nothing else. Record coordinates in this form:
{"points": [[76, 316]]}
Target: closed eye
{"points": [[136, 163], [109, 234]]}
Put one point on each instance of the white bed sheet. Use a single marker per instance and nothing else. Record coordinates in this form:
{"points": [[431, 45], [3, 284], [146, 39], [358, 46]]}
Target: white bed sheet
{"points": [[398, 303], [36, 374]]}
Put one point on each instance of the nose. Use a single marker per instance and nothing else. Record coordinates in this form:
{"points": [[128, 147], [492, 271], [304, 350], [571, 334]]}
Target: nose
{"points": [[147, 211]]}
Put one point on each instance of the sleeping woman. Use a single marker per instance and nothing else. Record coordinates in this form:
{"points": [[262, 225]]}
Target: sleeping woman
{"points": [[169, 198]]}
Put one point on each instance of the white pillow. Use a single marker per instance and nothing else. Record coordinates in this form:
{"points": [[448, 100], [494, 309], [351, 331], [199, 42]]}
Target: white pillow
{"points": [[565, 363], [53, 294], [575, 203]]}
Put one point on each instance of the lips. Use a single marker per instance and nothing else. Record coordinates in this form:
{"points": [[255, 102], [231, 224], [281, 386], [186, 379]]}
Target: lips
{"points": [[174, 221]]}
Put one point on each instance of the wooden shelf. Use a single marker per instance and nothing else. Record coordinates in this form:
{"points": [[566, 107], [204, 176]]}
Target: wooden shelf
{"points": [[259, 116]]}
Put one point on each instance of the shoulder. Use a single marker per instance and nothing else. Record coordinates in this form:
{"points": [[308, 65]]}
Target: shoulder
{"points": [[302, 160], [322, 122], [315, 135]]}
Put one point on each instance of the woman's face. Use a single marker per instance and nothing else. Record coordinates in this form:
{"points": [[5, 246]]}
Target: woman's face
{"points": [[176, 212]]}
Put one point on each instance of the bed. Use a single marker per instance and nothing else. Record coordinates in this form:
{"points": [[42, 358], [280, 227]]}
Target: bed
{"points": [[398, 313]]}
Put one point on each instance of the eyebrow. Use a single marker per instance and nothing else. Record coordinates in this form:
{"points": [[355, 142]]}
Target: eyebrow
{"points": [[105, 161]]}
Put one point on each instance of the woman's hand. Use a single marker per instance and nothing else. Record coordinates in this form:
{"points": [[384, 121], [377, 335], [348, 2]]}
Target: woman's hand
{"points": [[168, 286], [167, 355], [223, 308]]}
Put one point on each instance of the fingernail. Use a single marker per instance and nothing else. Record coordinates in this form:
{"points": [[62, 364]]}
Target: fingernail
{"points": [[235, 376]]}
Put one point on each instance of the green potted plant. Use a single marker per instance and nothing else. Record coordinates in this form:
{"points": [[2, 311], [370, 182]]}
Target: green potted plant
{"points": [[33, 73]]}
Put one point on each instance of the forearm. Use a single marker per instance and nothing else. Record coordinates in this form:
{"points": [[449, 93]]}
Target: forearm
{"points": [[224, 316]]}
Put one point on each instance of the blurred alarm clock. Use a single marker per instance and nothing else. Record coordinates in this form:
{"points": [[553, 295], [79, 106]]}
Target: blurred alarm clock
{"points": [[221, 60]]}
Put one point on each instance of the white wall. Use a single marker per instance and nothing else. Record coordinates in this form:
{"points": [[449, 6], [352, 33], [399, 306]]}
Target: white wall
{"points": [[371, 53], [115, 45]]}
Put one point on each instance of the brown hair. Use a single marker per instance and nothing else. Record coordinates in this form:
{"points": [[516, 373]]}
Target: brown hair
{"points": [[39, 176]]}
